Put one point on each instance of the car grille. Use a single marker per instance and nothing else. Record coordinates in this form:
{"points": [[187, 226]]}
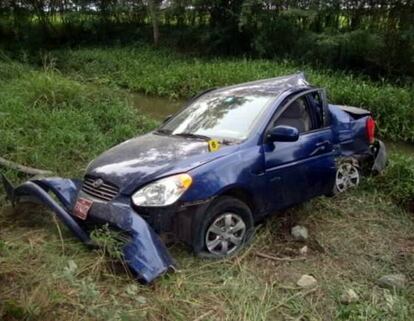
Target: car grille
{"points": [[103, 190]]}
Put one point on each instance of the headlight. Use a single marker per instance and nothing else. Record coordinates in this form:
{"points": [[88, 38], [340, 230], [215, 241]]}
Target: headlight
{"points": [[162, 192]]}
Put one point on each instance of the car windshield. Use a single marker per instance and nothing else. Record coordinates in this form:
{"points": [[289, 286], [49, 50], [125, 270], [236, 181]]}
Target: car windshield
{"points": [[220, 116]]}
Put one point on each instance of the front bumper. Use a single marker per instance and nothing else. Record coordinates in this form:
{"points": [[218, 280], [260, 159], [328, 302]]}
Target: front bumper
{"points": [[145, 253]]}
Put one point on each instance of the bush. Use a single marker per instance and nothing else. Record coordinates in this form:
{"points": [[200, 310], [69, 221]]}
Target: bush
{"points": [[369, 51], [357, 50]]}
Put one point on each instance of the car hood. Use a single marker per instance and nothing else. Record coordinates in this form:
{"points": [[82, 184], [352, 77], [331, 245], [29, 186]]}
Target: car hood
{"points": [[142, 159]]}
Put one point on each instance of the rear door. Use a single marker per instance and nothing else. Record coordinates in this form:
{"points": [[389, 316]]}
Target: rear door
{"points": [[297, 171]]}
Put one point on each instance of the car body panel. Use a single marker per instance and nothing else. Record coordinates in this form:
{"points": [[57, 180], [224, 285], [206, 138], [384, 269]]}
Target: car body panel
{"points": [[306, 166], [349, 133], [240, 170], [142, 159]]}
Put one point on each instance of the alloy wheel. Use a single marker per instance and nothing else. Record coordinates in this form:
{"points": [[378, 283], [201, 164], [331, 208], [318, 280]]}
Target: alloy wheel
{"points": [[225, 234], [347, 176]]}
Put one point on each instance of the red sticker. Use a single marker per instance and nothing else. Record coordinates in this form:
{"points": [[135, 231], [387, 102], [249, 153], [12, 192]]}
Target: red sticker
{"points": [[82, 207]]}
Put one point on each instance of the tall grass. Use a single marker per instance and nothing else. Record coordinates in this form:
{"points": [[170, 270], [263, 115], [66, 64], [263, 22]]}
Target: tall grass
{"points": [[165, 73], [52, 122], [398, 180]]}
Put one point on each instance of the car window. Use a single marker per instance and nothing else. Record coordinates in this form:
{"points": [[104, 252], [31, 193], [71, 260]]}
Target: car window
{"points": [[220, 115], [296, 115], [315, 101]]}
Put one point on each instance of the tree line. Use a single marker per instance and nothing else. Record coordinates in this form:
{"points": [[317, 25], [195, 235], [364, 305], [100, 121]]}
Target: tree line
{"points": [[373, 36]]}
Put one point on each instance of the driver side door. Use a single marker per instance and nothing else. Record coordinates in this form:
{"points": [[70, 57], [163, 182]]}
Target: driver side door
{"points": [[296, 171]]}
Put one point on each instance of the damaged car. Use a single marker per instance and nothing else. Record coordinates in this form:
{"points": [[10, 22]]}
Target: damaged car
{"points": [[230, 158]]}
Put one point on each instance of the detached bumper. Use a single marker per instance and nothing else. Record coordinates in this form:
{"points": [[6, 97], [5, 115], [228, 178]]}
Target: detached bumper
{"points": [[380, 156], [145, 253]]}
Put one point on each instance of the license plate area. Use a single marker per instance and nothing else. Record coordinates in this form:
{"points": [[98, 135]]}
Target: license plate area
{"points": [[82, 208]]}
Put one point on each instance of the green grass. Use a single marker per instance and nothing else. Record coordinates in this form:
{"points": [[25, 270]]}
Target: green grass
{"points": [[57, 122], [50, 121], [165, 73], [398, 181]]}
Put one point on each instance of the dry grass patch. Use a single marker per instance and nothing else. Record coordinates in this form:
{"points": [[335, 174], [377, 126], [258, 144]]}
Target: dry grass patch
{"points": [[354, 239]]}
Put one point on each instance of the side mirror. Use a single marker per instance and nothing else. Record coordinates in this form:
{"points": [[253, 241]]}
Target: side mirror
{"points": [[283, 133], [167, 118]]}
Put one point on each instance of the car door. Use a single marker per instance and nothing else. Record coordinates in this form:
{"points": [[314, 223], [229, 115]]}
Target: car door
{"points": [[296, 171]]}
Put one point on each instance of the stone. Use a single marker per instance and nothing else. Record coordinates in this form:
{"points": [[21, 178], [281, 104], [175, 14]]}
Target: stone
{"points": [[349, 296], [392, 281], [307, 281], [299, 233], [303, 250]]}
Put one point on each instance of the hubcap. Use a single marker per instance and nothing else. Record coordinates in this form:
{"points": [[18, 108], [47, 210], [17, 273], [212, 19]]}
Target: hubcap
{"points": [[225, 234], [347, 176]]}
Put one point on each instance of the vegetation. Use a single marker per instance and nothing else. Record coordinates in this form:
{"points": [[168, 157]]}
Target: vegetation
{"points": [[372, 36], [52, 120], [161, 72], [398, 180]]}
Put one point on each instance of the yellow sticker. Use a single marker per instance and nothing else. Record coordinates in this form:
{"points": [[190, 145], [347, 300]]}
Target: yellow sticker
{"points": [[213, 145]]}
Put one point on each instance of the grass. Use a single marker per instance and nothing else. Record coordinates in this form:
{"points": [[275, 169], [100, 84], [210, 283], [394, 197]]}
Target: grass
{"points": [[58, 122], [398, 180], [355, 239], [50, 121], [165, 73]]}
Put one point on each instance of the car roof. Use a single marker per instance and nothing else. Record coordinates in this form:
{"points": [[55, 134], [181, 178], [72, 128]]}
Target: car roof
{"points": [[268, 87]]}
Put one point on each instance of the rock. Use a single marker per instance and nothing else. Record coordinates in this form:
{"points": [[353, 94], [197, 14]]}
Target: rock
{"points": [[299, 233], [303, 250], [391, 281], [307, 281], [349, 296]]}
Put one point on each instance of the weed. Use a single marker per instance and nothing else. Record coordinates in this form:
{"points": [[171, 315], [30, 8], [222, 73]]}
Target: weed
{"points": [[397, 181], [110, 241]]}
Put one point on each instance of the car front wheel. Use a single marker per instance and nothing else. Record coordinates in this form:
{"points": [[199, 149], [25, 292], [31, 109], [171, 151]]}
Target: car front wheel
{"points": [[225, 228]]}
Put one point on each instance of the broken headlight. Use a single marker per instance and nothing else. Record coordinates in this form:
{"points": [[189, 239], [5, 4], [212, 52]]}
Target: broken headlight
{"points": [[162, 192]]}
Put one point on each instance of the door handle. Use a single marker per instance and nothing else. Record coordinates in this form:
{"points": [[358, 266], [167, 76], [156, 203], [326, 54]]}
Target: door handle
{"points": [[323, 143], [317, 150], [321, 147]]}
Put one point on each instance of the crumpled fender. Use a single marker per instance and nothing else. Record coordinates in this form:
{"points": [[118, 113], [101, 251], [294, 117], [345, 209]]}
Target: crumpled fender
{"points": [[145, 253]]}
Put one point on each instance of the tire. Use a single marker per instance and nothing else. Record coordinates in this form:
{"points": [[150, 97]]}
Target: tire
{"points": [[224, 228], [348, 175]]}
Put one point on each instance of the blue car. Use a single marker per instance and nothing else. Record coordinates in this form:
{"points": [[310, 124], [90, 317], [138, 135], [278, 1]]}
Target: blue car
{"points": [[227, 160]]}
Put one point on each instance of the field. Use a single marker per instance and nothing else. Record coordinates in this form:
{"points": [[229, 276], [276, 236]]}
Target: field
{"points": [[62, 110]]}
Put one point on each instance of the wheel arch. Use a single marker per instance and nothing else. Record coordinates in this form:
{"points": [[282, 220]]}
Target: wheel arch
{"points": [[241, 194]]}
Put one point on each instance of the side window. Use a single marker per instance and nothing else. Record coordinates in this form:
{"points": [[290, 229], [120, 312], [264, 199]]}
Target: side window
{"points": [[296, 115], [316, 105]]}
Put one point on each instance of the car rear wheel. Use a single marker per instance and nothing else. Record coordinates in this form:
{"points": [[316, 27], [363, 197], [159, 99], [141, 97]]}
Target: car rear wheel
{"points": [[347, 176], [225, 228]]}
